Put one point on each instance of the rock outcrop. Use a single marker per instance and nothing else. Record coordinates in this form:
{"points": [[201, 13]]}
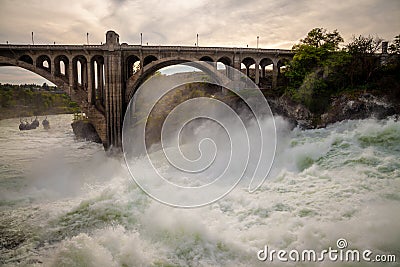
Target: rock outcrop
{"points": [[357, 107], [85, 130], [344, 107], [296, 113]]}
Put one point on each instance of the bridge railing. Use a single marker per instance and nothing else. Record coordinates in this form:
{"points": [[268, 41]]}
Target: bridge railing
{"points": [[50, 47], [126, 47], [205, 48]]}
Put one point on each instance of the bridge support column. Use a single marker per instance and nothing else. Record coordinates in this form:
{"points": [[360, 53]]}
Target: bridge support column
{"points": [[71, 78], [257, 76], [90, 79], [84, 76], [275, 76], [236, 65], [100, 83], [113, 91], [52, 66], [262, 71]]}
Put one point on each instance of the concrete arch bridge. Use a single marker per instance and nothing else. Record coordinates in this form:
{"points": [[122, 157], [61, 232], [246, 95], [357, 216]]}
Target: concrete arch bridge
{"points": [[103, 78]]}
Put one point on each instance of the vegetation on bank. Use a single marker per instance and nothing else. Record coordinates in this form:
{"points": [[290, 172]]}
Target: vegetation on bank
{"points": [[323, 67], [33, 100]]}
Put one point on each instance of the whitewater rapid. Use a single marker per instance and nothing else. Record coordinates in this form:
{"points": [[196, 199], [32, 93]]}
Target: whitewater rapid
{"points": [[64, 203]]}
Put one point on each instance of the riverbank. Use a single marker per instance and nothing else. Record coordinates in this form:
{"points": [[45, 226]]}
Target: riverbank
{"points": [[26, 101], [33, 100], [27, 112]]}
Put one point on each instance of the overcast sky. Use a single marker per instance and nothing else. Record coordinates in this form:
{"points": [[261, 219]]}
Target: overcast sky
{"points": [[237, 23]]}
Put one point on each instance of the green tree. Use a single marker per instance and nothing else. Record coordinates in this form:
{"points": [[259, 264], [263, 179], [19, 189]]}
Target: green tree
{"points": [[364, 64], [364, 45], [312, 53], [320, 38], [316, 57]]}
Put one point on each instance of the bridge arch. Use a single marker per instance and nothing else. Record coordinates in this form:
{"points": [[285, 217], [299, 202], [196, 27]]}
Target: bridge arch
{"points": [[223, 63], [97, 81], [26, 58], [247, 62], [147, 60], [136, 80], [207, 58], [5, 61], [132, 65], [281, 65], [280, 69], [225, 60], [44, 62], [79, 72], [61, 66], [266, 67]]}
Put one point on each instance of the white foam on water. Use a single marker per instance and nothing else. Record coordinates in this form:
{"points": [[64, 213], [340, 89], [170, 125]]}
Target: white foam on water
{"points": [[326, 184]]}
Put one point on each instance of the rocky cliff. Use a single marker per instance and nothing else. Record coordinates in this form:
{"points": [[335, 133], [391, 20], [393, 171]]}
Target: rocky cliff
{"points": [[344, 107]]}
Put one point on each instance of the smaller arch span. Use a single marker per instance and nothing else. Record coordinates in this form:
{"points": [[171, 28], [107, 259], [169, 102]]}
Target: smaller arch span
{"points": [[147, 60], [97, 79], [225, 60], [44, 62], [26, 58], [79, 72], [247, 62], [267, 66], [61, 66], [207, 59], [133, 65]]}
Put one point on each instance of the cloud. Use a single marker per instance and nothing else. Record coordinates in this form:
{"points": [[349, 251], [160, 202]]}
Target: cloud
{"points": [[236, 23]]}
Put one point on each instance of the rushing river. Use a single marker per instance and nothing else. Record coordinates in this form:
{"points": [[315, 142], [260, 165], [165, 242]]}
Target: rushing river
{"points": [[64, 203]]}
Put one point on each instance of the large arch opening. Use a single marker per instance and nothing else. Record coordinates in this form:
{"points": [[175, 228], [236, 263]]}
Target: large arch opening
{"points": [[147, 71], [168, 75], [134, 82], [147, 60], [17, 75]]}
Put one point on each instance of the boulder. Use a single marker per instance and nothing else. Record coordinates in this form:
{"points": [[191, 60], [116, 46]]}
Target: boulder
{"points": [[85, 130]]}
